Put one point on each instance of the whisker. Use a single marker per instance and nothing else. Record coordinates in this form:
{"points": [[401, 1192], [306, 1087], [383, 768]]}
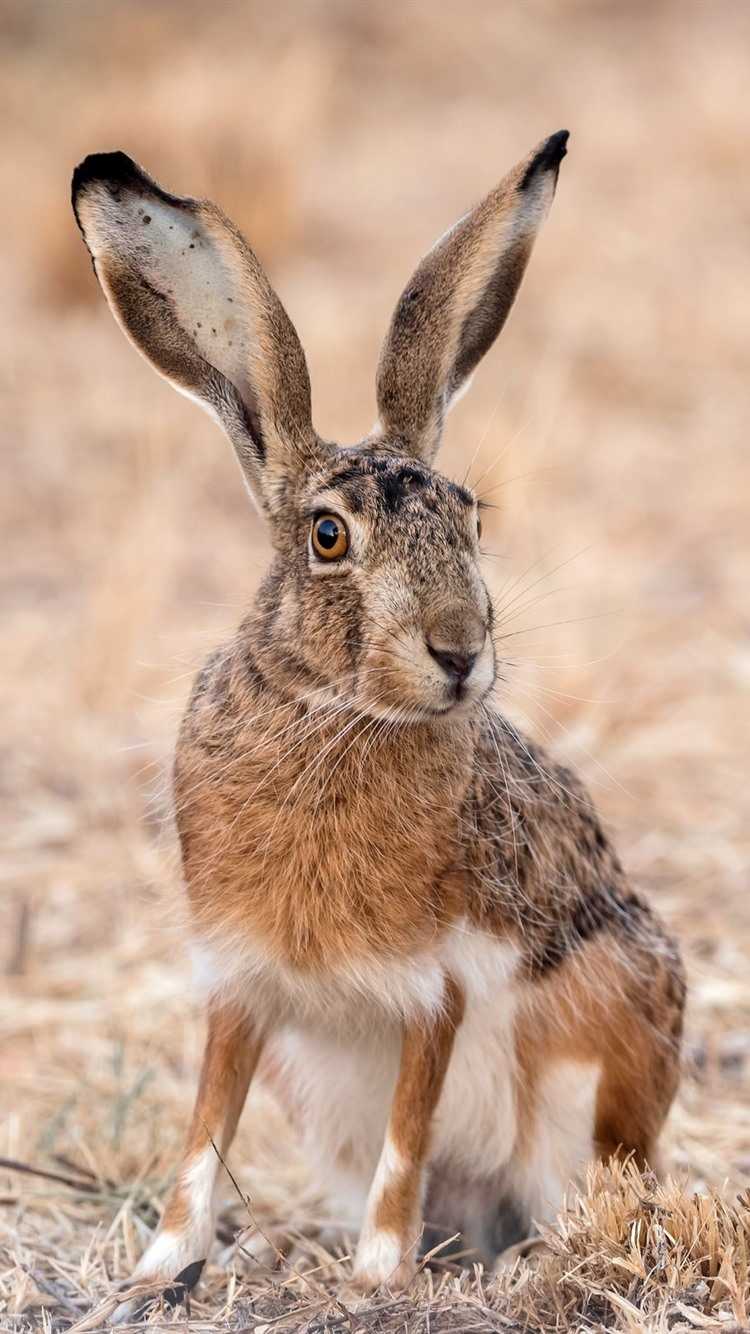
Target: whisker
{"points": [[546, 575], [551, 625], [566, 730], [517, 477], [504, 451]]}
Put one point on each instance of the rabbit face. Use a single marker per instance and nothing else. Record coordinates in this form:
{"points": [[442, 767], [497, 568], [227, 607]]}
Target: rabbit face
{"points": [[391, 588]]}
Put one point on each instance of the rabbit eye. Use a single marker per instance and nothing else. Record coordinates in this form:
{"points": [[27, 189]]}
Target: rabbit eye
{"points": [[329, 537]]}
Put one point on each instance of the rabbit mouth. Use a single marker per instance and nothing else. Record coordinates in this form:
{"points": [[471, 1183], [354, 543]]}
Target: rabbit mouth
{"points": [[413, 711], [425, 683]]}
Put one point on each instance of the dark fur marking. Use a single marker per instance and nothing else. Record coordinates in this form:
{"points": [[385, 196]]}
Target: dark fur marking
{"points": [[351, 474], [391, 492], [413, 477], [461, 493], [184, 1282], [395, 487], [354, 498], [353, 490], [254, 675], [251, 418], [116, 170], [410, 312], [393, 481], [548, 158], [287, 658], [602, 910]]}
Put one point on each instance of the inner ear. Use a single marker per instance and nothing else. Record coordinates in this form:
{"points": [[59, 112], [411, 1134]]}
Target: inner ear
{"points": [[193, 298], [457, 301], [485, 320], [172, 248]]}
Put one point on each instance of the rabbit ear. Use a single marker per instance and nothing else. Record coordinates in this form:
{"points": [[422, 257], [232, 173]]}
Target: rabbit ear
{"points": [[192, 297], [457, 301]]}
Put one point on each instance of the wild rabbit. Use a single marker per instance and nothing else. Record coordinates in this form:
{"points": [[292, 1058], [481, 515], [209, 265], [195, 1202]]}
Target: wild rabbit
{"points": [[405, 904]]}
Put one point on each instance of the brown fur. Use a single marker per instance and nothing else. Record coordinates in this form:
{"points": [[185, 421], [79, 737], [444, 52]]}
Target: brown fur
{"points": [[425, 1055], [229, 1060], [323, 905], [344, 799], [605, 1005]]}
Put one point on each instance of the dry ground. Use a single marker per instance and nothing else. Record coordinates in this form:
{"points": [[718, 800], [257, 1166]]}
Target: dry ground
{"points": [[612, 420]]}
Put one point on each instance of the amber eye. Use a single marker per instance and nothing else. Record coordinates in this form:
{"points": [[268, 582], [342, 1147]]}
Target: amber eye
{"points": [[329, 537]]}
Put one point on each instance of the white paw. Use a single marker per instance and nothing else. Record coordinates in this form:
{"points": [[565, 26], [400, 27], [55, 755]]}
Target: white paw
{"points": [[383, 1261]]}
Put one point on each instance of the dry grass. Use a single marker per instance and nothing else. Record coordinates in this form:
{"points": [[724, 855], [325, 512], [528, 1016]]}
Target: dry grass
{"points": [[628, 1254], [344, 137]]}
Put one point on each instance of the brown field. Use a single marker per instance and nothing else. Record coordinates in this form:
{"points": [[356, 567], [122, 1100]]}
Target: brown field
{"points": [[610, 425]]}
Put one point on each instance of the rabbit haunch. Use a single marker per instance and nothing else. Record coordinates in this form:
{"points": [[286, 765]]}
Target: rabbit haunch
{"points": [[407, 917]]}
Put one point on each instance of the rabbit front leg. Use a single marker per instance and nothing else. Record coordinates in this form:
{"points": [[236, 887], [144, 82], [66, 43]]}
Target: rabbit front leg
{"points": [[390, 1236], [178, 1252]]}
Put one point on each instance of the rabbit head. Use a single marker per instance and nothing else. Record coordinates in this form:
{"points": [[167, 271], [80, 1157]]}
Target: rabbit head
{"points": [[375, 590]]}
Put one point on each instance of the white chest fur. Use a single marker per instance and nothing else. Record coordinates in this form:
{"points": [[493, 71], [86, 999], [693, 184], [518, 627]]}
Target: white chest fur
{"points": [[361, 988], [360, 992]]}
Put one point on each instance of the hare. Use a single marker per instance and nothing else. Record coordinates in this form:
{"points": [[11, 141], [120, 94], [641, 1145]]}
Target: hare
{"points": [[408, 909]]}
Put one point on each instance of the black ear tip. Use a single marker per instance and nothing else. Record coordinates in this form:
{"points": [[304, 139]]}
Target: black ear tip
{"points": [[548, 157], [116, 171], [113, 168], [556, 147]]}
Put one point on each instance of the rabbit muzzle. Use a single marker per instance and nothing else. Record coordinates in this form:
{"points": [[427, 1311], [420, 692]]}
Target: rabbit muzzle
{"points": [[455, 640], [428, 663]]}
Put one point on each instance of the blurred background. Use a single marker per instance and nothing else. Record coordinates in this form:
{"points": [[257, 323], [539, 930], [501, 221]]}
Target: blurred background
{"points": [[609, 426]]}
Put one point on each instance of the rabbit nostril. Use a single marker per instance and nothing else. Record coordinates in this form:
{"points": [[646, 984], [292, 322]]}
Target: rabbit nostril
{"points": [[457, 666]]}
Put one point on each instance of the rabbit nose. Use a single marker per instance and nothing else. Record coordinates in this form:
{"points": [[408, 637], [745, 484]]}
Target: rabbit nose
{"points": [[457, 666], [454, 639]]}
